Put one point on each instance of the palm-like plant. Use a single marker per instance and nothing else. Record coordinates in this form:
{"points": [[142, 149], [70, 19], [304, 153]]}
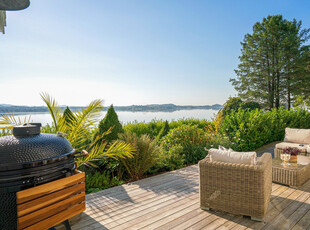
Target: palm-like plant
{"points": [[8, 121], [145, 157], [78, 131]]}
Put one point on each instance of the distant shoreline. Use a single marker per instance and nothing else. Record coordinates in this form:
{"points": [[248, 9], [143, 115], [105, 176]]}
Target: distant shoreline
{"points": [[132, 108]]}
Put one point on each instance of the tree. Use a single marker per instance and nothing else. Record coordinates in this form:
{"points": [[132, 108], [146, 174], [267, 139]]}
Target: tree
{"points": [[303, 98], [234, 103], [68, 116], [250, 105], [163, 132], [110, 121], [270, 70]]}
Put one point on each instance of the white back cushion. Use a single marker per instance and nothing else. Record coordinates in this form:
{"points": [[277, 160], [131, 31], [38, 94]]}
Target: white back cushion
{"points": [[232, 157], [301, 136], [225, 149]]}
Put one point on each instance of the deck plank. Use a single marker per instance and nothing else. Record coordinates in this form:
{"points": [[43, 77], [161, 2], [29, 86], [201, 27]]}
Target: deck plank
{"points": [[125, 210], [303, 223], [146, 210], [171, 201]]}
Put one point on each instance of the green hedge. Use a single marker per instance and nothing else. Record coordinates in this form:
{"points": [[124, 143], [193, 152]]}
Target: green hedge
{"points": [[153, 128], [191, 138], [248, 130]]}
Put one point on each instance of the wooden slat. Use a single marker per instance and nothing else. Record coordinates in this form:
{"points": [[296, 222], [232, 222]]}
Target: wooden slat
{"points": [[303, 223], [190, 222], [43, 213], [150, 204], [291, 221], [177, 221], [169, 218], [58, 218], [138, 213], [49, 199], [280, 220], [138, 220], [149, 182], [108, 212], [115, 200], [278, 205], [42, 190]]}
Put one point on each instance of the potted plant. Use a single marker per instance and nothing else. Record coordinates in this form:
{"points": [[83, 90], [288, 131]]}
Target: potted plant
{"points": [[293, 151]]}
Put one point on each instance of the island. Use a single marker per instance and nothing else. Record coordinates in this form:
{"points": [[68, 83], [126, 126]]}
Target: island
{"points": [[6, 108]]}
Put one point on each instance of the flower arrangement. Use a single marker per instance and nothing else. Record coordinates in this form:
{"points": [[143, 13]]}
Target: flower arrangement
{"points": [[293, 151]]}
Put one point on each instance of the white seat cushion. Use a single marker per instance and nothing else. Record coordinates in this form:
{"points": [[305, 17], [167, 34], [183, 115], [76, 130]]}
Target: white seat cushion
{"points": [[283, 145], [301, 136], [232, 157]]}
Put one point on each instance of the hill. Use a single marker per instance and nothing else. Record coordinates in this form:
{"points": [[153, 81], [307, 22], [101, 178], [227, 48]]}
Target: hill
{"points": [[6, 108]]}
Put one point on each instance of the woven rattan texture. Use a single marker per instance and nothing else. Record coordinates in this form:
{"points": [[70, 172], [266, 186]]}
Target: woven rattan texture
{"points": [[236, 188], [290, 177]]}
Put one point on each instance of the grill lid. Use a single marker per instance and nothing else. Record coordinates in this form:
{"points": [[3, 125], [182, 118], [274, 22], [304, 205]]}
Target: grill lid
{"points": [[27, 145]]}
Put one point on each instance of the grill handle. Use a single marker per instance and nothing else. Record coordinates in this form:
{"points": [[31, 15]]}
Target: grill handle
{"points": [[82, 153]]}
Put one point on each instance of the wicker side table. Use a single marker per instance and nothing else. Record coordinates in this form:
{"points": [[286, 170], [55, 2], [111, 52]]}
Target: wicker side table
{"points": [[293, 175]]}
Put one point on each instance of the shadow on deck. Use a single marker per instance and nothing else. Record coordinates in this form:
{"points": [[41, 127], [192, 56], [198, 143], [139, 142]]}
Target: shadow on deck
{"points": [[171, 201]]}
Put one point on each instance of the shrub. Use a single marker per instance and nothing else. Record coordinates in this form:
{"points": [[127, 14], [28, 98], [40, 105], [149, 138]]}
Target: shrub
{"points": [[154, 127], [199, 123], [151, 129], [169, 160], [110, 121], [97, 181], [163, 132], [234, 103], [191, 138], [48, 129], [145, 155], [248, 130]]}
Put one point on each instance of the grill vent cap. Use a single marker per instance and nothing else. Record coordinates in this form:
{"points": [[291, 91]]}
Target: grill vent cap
{"points": [[27, 129]]}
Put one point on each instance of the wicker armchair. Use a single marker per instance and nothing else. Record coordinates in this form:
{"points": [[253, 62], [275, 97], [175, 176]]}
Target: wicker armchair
{"points": [[295, 138], [236, 188]]}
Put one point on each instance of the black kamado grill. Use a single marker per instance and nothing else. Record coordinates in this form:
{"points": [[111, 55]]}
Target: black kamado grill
{"points": [[29, 158]]}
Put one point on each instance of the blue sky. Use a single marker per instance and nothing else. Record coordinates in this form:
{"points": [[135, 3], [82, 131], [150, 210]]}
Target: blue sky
{"points": [[130, 51]]}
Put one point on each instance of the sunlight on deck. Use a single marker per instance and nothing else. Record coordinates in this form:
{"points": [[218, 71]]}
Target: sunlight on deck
{"points": [[171, 201]]}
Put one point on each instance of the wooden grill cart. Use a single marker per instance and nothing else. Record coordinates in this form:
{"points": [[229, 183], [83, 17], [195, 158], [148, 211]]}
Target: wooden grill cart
{"points": [[47, 205]]}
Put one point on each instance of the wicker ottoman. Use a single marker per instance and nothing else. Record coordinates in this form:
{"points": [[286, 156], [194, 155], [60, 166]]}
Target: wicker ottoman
{"points": [[294, 174]]}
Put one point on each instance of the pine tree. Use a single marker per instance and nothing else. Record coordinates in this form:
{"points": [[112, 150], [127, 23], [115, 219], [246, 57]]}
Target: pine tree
{"points": [[68, 116], [110, 120], [269, 71], [163, 132]]}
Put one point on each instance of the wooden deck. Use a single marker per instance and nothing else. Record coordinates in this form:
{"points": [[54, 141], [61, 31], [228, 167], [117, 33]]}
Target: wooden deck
{"points": [[171, 201]]}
